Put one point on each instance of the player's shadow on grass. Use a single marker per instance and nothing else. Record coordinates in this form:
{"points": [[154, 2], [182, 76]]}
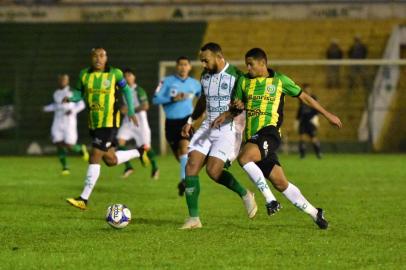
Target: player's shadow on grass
{"points": [[156, 222]]}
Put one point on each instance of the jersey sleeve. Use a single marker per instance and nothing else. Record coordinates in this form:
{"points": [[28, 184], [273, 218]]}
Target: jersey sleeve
{"points": [[238, 92], [289, 87], [120, 80], [162, 95], [142, 95], [77, 92]]}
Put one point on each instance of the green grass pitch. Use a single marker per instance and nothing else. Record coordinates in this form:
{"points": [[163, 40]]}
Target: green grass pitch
{"points": [[364, 197]]}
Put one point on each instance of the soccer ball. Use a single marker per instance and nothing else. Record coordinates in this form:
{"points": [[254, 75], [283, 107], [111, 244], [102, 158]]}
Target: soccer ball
{"points": [[118, 216]]}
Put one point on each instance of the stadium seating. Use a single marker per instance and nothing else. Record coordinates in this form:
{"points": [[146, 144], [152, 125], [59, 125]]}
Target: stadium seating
{"points": [[308, 39]]}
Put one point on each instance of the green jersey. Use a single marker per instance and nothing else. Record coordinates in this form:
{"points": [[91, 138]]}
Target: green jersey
{"points": [[264, 99], [101, 90]]}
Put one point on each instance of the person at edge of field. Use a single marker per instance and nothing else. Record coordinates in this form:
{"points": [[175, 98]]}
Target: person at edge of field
{"points": [[308, 122], [64, 131], [176, 94], [141, 134], [261, 93], [101, 86], [209, 147]]}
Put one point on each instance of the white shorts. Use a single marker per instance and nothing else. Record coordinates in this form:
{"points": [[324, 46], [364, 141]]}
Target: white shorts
{"points": [[67, 134], [141, 134], [221, 143]]}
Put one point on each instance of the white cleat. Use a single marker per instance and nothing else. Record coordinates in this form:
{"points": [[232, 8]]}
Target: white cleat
{"points": [[191, 223], [250, 204]]}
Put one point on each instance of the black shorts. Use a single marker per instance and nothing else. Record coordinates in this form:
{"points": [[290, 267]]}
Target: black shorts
{"points": [[268, 140], [173, 130], [103, 138], [306, 127]]}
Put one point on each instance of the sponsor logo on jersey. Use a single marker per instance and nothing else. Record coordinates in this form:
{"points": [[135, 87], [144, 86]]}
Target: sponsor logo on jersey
{"points": [[271, 89], [218, 109], [96, 107], [206, 77], [106, 83]]}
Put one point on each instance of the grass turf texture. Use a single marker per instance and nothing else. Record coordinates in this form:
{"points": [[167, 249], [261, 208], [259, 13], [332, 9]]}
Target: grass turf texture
{"points": [[363, 195]]}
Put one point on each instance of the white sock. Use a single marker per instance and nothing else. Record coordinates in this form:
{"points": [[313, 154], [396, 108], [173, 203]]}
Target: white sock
{"points": [[293, 194], [256, 176], [92, 175], [126, 155]]}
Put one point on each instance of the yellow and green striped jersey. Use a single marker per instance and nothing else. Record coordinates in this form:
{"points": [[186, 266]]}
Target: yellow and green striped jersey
{"points": [[264, 99], [101, 92]]}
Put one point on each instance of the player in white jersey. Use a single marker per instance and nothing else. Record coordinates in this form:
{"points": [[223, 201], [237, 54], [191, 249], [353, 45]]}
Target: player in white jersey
{"points": [[64, 126], [214, 147], [141, 134]]}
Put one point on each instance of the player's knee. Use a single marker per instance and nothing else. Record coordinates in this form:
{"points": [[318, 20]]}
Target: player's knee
{"points": [[213, 172], [191, 167], [244, 159], [110, 161]]}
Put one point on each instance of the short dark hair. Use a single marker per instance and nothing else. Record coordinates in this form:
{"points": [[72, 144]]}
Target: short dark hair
{"points": [[213, 47], [97, 48], [305, 85], [182, 57], [257, 54], [129, 70]]}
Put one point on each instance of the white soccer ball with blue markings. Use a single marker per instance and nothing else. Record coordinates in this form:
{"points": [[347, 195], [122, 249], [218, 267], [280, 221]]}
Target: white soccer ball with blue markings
{"points": [[118, 216]]}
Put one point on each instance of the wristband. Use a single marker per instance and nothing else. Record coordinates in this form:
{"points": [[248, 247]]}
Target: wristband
{"points": [[190, 120]]}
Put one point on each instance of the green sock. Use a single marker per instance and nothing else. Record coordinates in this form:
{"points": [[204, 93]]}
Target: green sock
{"points": [[192, 195], [127, 164], [77, 148], [227, 179], [151, 156], [62, 157]]}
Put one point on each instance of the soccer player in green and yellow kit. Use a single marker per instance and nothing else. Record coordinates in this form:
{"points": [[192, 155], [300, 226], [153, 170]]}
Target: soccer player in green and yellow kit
{"points": [[262, 94], [101, 86]]}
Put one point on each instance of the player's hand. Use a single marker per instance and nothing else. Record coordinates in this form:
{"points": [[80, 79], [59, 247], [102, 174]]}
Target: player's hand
{"points": [[334, 120], [133, 119], [179, 97], [187, 131], [238, 104], [219, 120], [65, 100]]}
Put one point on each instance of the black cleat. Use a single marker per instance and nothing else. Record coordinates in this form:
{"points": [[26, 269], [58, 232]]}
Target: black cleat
{"points": [[181, 188], [273, 207], [321, 221]]}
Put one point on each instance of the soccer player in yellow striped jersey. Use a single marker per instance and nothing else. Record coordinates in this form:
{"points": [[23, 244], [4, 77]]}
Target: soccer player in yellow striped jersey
{"points": [[262, 94], [100, 86]]}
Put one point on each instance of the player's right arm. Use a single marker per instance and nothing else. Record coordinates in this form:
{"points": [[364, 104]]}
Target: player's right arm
{"points": [[162, 94], [77, 92], [198, 111], [49, 108]]}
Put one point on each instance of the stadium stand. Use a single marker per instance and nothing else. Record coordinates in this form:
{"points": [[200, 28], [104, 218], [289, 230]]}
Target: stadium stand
{"points": [[308, 39]]}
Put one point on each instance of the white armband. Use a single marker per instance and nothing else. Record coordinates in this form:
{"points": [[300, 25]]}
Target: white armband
{"points": [[190, 120]]}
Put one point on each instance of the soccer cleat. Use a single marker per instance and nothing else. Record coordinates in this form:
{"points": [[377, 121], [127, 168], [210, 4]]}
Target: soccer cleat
{"points": [[273, 207], [127, 172], [155, 174], [191, 223], [250, 204], [320, 220], [181, 188], [144, 157], [77, 202], [65, 172], [85, 153]]}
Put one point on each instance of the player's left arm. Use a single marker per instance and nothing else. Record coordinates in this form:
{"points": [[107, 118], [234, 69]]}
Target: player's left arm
{"points": [[143, 98], [292, 89], [123, 86], [311, 102]]}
